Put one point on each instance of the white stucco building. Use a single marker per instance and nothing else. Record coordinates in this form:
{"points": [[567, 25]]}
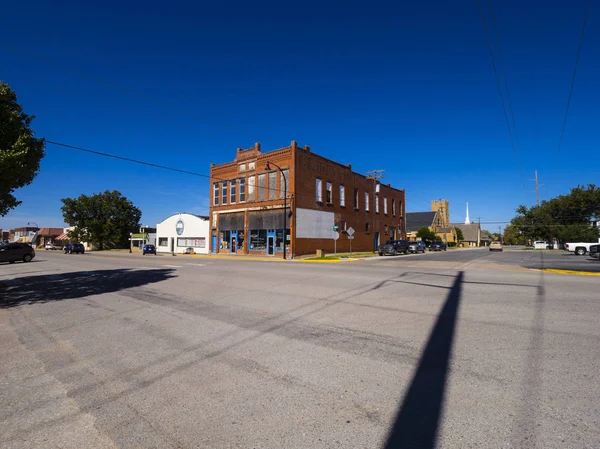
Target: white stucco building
{"points": [[181, 231]]}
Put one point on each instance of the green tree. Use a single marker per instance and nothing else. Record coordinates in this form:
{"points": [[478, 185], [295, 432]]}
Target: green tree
{"points": [[425, 234], [104, 219], [20, 152], [512, 236], [459, 235], [566, 217]]}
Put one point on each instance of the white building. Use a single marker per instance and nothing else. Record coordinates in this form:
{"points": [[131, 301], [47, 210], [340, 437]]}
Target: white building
{"points": [[181, 231]]}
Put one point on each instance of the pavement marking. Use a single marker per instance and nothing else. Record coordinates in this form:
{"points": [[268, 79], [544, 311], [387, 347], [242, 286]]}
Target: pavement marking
{"points": [[172, 266], [574, 272], [196, 264]]}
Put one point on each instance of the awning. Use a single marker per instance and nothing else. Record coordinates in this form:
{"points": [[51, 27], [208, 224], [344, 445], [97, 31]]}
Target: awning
{"points": [[32, 237], [63, 236]]}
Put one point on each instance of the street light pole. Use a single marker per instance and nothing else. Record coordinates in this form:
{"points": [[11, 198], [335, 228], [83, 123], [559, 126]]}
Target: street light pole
{"points": [[268, 168], [33, 223]]}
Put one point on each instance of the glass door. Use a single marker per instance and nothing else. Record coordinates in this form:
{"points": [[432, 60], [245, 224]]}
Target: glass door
{"points": [[270, 245]]}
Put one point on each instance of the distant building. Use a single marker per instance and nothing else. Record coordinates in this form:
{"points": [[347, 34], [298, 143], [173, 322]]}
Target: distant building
{"points": [[437, 220], [247, 200], [177, 233]]}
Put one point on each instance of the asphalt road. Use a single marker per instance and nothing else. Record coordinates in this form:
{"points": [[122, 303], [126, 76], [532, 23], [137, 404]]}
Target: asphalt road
{"points": [[536, 259], [173, 352]]}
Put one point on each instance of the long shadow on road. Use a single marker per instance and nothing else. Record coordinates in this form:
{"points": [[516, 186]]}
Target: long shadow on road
{"points": [[419, 417], [79, 284]]}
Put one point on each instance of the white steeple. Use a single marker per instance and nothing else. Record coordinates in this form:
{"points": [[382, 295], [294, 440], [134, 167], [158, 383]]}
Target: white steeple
{"points": [[467, 221]]}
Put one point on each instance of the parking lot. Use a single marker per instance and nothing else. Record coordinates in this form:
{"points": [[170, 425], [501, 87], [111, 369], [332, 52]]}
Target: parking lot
{"points": [[456, 349]]}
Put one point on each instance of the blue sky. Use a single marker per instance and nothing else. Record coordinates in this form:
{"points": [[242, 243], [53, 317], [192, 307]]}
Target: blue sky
{"points": [[402, 86]]}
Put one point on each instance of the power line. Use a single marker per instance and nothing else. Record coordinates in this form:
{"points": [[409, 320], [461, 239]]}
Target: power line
{"points": [[564, 125], [502, 66], [498, 85]]}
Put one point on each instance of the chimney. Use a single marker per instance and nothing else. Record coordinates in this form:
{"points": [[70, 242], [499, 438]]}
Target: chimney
{"points": [[307, 148], [349, 166], [294, 144], [257, 146]]}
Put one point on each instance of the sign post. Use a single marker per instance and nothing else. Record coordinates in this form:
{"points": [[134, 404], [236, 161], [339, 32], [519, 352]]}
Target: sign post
{"points": [[350, 232]]}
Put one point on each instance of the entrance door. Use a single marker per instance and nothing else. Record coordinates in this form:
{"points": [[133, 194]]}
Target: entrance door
{"points": [[270, 245], [376, 242], [213, 247], [172, 244]]}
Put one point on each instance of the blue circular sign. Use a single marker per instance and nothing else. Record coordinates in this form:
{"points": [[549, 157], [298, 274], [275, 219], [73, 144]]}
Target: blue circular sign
{"points": [[179, 227]]}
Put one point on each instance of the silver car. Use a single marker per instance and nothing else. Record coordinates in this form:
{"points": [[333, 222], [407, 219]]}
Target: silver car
{"points": [[416, 247]]}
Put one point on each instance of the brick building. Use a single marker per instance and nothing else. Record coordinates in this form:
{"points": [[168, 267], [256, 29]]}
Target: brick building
{"points": [[247, 216]]}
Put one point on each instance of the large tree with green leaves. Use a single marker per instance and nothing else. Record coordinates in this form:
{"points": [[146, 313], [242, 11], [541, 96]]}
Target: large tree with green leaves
{"points": [[104, 219], [566, 217], [20, 152], [425, 234]]}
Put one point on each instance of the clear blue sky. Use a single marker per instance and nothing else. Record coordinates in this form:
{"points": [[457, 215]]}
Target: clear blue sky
{"points": [[403, 86]]}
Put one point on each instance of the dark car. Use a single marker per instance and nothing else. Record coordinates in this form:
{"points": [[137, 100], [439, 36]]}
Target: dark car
{"points": [[76, 248], [149, 249], [394, 247], [16, 251], [595, 251], [417, 247], [437, 246]]}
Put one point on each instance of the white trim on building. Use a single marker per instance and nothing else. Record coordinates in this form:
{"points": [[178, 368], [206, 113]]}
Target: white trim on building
{"points": [[181, 231]]}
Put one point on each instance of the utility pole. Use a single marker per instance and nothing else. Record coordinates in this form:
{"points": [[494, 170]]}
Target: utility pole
{"points": [[537, 189], [375, 175]]}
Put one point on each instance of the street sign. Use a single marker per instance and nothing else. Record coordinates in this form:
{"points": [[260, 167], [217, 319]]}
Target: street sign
{"points": [[350, 231], [336, 235], [350, 237]]}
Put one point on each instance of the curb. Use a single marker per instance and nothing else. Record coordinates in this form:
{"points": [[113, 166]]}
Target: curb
{"points": [[571, 272]]}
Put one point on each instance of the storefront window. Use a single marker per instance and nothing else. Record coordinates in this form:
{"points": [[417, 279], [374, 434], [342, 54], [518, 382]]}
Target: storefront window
{"points": [[279, 239], [258, 240], [225, 237], [163, 241], [240, 242]]}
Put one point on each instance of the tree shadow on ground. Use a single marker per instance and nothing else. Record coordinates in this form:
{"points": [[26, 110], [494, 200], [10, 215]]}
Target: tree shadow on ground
{"points": [[57, 287]]}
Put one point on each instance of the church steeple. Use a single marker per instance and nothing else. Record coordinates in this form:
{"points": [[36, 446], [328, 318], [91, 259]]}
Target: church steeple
{"points": [[467, 221]]}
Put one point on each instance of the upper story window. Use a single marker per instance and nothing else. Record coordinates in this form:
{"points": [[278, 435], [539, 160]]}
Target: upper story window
{"points": [[393, 207], [385, 205], [262, 187], [319, 191], [356, 198], [224, 192], [251, 183], [242, 183], [376, 204], [216, 194], [328, 192], [400, 208], [366, 201], [242, 168], [272, 185], [232, 190], [251, 165], [283, 180], [342, 195]]}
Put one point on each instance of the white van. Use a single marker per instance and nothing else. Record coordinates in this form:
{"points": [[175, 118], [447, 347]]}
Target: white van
{"points": [[540, 244]]}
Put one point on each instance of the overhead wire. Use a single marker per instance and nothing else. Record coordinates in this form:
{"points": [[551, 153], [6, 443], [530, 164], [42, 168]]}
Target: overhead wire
{"points": [[564, 124], [499, 86]]}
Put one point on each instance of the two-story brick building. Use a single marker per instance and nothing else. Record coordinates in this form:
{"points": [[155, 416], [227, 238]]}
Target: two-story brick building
{"points": [[247, 200]]}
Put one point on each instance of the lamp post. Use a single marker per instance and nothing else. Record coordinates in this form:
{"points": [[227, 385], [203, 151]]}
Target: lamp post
{"points": [[33, 223], [268, 168]]}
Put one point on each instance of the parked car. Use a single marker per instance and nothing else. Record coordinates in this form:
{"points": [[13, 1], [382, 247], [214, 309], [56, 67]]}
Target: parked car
{"points": [[394, 247], [76, 248], [437, 246], [13, 252], [580, 249], [416, 247], [149, 249], [595, 251], [50, 246], [496, 246]]}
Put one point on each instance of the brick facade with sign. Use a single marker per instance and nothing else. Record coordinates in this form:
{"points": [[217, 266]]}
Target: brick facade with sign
{"points": [[247, 215]]}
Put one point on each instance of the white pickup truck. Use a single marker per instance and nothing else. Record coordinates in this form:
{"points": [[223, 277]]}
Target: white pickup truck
{"points": [[580, 249]]}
